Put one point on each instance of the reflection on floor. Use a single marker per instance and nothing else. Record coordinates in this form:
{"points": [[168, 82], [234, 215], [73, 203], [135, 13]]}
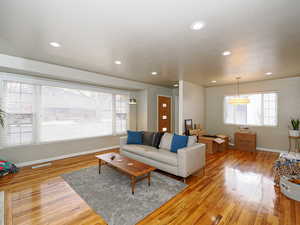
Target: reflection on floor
{"points": [[237, 188]]}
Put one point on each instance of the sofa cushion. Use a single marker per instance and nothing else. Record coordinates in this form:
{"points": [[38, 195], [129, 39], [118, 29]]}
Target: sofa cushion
{"points": [[166, 141], [139, 149], [178, 142], [148, 138], [135, 137], [192, 140], [161, 155], [167, 157], [157, 138]]}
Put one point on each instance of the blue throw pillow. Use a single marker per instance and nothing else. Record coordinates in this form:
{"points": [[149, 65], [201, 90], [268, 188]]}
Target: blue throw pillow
{"points": [[134, 137], [178, 142]]}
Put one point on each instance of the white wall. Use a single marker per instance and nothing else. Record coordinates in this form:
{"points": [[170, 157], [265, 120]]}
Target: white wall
{"points": [[142, 110], [32, 67], [147, 107], [133, 117], [23, 154], [142, 116], [268, 137], [176, 110], [191, 104]]}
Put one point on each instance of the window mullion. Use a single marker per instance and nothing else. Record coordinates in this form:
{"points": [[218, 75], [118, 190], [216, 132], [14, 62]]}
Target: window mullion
{"points": [[37, 114], [276, 110], [128, 115], [20, 102], [262, 119], [234, 114], [3, 131], [246, 112], [114, 114]]}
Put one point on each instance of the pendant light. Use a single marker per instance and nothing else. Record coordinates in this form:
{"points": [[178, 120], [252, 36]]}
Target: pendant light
{"points": [[238, 100]]}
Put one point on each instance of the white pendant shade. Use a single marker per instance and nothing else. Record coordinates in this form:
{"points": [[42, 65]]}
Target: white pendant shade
{"points": [[239, 101]]}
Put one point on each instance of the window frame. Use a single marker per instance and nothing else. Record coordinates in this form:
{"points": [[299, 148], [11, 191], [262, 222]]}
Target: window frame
{"points": [[262, 107], [38, 83]]}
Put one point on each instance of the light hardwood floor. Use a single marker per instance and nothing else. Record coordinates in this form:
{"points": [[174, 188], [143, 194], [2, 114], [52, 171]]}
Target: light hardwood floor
{"points": [[237, 188]]}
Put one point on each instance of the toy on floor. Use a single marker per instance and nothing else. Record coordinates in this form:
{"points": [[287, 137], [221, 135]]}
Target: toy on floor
{"points": [[7, 167]]}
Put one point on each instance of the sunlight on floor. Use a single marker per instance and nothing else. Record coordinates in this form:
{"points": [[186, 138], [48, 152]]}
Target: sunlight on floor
{"points": [[251, 187]]}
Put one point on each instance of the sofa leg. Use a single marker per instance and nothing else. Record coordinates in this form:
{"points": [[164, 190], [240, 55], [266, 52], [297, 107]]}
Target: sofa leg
{"points": [[203, 171]]}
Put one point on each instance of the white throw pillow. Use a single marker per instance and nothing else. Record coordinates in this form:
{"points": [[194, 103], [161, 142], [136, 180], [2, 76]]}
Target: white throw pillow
{"points": [[192, 140], [166, 141]]}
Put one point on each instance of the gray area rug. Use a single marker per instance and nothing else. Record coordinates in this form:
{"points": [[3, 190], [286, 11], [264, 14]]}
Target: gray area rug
{"points": [[109, 193]]}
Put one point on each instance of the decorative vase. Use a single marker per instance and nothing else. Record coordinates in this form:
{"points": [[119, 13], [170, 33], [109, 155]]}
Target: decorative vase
{"points": [[294, 133]]}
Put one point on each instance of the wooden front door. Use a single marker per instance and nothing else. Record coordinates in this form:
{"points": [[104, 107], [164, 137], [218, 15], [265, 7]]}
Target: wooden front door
{"points": [[164, 114]]}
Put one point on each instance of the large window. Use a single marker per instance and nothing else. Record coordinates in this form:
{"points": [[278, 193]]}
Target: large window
{"points": [[261, 111], [42, 113], [19, 105], [121, 113]]}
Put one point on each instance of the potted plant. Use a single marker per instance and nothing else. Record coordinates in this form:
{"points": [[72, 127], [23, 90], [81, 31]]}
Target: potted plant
{"points": [[295, 128]]}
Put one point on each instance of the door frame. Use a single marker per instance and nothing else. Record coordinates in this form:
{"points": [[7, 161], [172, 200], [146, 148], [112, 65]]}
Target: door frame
{"points": [[171, 111]]}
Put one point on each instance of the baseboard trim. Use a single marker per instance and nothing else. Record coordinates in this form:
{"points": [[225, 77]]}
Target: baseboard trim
{"points": [[29, 163], [270, 150], [265, 149]]}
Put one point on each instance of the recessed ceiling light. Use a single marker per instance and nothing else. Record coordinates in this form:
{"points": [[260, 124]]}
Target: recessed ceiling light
{"points": [[268, 73], [118, 62], [55, 44], [175, 85], [198, 25], [154, 73], [226, 53], [213, 81]]}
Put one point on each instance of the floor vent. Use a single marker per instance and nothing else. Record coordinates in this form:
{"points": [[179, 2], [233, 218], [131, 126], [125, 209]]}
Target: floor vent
{"points": [[41, 165]]}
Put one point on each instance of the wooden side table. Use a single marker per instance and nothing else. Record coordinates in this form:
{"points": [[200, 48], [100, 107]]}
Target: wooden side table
{"points": [[245, 141], [297, 143]]}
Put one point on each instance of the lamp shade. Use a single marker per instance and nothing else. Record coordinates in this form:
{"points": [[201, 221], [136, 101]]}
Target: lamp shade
{"points": [[239, 101], [132, 101]]}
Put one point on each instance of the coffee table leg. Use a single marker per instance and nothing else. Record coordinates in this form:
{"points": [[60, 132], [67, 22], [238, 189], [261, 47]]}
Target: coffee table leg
{"points": [[99, 166], [149, 178], [132, 184]]}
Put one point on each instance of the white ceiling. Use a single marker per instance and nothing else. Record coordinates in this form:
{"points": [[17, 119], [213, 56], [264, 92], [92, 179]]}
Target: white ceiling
{"points": [[155, 36]]}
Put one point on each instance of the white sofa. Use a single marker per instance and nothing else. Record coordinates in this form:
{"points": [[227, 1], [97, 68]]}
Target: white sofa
{"points": [[183, 163]]}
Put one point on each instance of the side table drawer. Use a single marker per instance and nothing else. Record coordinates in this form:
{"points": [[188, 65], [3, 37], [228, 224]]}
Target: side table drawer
{"points": [[245, 141]]}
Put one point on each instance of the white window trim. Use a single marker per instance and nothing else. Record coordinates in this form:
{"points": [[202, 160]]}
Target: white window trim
{"points": [[253, 125], [57, 83], [61, 84]]}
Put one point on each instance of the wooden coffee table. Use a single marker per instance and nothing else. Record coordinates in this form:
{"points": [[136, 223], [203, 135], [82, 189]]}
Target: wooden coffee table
{"points": [[136, 170]]}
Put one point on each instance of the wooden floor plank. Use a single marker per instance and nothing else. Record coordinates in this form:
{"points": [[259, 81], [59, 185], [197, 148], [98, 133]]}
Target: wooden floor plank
{"points": [[236, 187]]}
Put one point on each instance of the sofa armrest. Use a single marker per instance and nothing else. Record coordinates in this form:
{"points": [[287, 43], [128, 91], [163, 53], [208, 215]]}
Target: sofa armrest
{"points": [[123, 141], [191, 159]]}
